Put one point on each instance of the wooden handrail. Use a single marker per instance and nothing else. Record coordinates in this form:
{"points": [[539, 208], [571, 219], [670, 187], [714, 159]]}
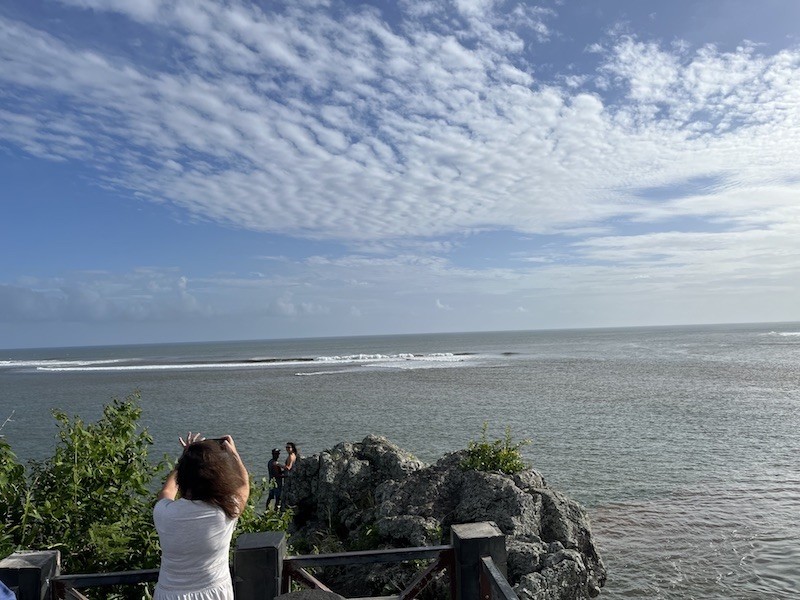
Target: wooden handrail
{"points": [[67, 586], [307, 578], [87, 580], [258, 566], [364, 557], [423, 578], [443, 558], [494, 585], [73, 594]]}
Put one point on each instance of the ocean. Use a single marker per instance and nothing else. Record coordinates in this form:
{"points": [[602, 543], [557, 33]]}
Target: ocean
{"points": [[683, 443]]}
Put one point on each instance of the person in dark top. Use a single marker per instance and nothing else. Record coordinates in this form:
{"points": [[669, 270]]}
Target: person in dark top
{"points": [[275, 470]]}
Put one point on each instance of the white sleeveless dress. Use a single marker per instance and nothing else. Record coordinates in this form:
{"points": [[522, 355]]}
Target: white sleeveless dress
{"points": [[195, 542]]}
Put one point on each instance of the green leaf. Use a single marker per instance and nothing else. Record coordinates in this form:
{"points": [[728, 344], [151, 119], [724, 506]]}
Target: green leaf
{"points": [[497, 455]]}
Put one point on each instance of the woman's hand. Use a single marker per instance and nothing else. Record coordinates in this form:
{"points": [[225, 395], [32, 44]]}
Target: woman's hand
{"points": [[228, 445], [191, 438]]}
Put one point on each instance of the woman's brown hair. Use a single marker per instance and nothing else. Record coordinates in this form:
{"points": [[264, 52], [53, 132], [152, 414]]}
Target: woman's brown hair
{"points": [[207, 472]]}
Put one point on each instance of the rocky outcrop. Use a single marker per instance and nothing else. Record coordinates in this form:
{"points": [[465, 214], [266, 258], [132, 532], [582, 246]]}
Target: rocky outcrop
{"points": [[373, 494]]}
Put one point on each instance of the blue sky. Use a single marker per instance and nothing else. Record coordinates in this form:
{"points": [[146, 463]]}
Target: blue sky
{"points": [[181, 170]]}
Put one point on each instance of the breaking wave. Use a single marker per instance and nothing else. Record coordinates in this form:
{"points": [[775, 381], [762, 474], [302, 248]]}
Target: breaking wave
{"points": [[401, 360]]}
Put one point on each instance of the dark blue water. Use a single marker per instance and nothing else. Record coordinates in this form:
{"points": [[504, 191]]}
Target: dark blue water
{"points": [[681, 442]]}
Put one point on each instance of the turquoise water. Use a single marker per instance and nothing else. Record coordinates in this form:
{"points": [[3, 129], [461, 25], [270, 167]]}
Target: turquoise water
{"points": [[681, 442]]}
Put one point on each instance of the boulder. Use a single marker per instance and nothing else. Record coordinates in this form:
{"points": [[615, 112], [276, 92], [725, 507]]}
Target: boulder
{"points": [[373, 494]]}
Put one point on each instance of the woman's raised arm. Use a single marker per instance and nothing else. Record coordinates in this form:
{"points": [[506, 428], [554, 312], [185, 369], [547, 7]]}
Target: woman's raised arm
{"points": [[170, 487], [244, 491]]}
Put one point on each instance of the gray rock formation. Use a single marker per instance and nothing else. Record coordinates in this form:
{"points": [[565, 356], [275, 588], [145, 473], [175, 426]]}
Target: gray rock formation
{"points": [[372, 494]]}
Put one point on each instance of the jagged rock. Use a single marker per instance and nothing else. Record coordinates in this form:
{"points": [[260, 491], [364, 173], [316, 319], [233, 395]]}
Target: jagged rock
{"points": [[373, 494]]}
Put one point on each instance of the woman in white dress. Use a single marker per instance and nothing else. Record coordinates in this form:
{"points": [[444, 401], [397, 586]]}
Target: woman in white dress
{"points": [[195, 530]]}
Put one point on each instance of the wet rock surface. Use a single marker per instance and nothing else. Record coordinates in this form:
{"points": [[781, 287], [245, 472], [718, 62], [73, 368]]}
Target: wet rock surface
{"points": [[373, 494]]}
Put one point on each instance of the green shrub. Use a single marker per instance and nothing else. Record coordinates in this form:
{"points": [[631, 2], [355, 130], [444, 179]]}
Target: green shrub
{"points": [[251, 520], [15, 502], [93, 499], [495, 455]]}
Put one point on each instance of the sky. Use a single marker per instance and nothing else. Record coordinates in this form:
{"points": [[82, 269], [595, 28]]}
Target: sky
{"points": [[190, 170]]}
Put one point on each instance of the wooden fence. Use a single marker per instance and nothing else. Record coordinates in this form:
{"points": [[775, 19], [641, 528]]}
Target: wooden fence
{"points": [[475, 562], [443, 557]]}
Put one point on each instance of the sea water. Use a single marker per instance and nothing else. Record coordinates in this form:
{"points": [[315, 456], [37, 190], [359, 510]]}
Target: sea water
{"points": [[682, 443]]}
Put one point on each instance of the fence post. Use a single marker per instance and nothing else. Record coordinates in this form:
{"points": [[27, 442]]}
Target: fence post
{"points": [[258, 565], [28, 573], [471, 541]]}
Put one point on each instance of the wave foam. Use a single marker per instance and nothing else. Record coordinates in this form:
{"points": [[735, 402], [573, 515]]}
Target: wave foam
{"points": [[314, 373], [54, 363], [165, 367], [365, 357], [400, 360]]}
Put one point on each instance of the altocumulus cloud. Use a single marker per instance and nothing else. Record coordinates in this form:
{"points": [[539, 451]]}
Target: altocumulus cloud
{"points": [[324, 120], [329, 120]]}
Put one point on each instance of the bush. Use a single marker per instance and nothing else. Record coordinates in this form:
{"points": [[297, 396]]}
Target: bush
{"points": [[14, 500], [496, 455], [270, 519], [93, 499]]}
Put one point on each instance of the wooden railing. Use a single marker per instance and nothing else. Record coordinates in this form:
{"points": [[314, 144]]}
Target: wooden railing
{"points": [[475, 564], [443, 557], [493, 583], [67, 586]]}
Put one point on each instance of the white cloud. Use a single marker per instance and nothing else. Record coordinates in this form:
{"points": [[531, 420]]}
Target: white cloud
{"points": [[440, 159], [141, 295], [141, 10], [398, 139], [649, 71], [415, 136]]}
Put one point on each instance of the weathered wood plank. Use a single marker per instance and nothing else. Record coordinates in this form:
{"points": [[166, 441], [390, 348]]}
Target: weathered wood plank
{"points": [[423, 578], [304, 576], [367, 556], [499, 586], [73, 594], [87, 580]]}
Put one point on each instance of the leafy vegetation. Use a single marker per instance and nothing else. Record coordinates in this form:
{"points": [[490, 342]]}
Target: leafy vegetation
{"points": [[14, 499], [269, 519], [495, 455], [93, 499]]}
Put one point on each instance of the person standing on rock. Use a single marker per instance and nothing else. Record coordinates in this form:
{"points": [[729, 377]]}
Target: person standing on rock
{"points": [[291, 458], [275, 470], [291, 449]]}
